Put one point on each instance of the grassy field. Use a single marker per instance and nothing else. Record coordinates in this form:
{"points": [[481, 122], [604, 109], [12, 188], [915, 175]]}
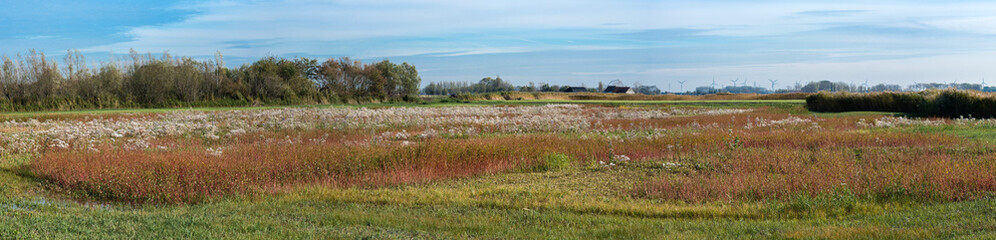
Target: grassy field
{"points": [[506, 169]]}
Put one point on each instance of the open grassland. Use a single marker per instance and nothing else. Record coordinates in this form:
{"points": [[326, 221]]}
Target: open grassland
{"points": [[521, 170]]}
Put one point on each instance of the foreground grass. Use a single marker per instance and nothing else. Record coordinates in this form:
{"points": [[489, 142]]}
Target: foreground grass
{"points": [[579, 202], [486, 207]]}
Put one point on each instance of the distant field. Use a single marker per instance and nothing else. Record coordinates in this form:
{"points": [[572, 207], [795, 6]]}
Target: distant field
{"points": [[793, 101], [430, 104], [647, 169]]}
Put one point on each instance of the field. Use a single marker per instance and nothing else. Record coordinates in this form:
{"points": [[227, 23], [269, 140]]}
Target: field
{"points": [[643, 169]]}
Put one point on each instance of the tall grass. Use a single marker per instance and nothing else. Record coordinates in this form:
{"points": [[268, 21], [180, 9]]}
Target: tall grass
{"points": [[192, 172], [946, 103], [196, 172]]}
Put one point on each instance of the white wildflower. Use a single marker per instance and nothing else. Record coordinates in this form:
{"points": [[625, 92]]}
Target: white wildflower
{"points": [[217, 152], [58, 143]]}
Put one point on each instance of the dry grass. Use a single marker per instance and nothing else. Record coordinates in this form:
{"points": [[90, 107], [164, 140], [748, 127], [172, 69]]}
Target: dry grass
{"points": [[196, 172], [757, 155]]}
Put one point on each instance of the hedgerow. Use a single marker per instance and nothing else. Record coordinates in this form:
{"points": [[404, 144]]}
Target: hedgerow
{"points": [[945, 103]]}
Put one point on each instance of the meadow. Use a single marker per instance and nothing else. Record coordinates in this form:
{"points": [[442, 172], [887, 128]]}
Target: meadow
{"points": [[536, 168]]}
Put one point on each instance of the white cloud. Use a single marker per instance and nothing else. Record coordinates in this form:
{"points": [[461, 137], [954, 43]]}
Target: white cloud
{"points": [[38, 37], [961, 67], [455, 28], [221, 22], [982, 25], [290, 22]]}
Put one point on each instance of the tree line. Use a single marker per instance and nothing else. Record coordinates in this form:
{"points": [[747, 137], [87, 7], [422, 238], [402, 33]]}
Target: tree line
{"points": [[497, 84], [35, 82], [485, 85]]}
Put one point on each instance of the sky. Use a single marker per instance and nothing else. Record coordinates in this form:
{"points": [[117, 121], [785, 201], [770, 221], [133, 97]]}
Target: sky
{"points": [[563, 42]]}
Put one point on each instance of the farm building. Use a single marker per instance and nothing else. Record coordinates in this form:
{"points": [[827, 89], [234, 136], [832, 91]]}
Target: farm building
{"points": [[618, 89], [575, 89]]}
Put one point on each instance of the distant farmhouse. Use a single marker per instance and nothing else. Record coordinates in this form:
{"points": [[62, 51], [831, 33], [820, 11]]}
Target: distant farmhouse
{"points": [[617, 89], [575, 89], [617, 86]]}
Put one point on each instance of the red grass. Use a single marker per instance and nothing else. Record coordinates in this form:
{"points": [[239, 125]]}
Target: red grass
{"points": [[909, 173], [191, 175], [254, 164], [755, 163]]}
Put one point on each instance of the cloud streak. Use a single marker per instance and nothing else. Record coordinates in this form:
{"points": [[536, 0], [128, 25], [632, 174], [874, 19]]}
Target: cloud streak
{"points": [[561, 41]]}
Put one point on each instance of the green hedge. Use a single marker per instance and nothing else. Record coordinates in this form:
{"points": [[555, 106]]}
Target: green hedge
{"points": [[946, 103]]}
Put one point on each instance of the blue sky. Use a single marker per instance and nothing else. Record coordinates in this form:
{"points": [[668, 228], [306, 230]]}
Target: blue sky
{"points": [[575, 42]]}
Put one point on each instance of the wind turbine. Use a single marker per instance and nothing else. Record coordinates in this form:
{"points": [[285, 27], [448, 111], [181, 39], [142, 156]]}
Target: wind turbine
{"points": [[735, 82], [865, 85], [682, 84], [772, 84]]}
